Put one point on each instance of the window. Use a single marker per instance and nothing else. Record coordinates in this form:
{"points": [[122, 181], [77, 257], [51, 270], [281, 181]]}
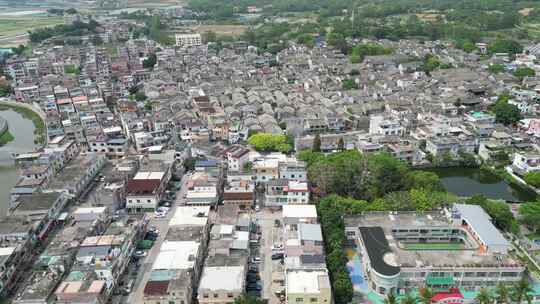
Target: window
{"points": [[299, 300], [205, 295], [313, 300], [216, 295], [230, 295]]}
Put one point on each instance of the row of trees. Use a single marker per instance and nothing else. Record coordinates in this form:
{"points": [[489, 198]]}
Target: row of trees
{"points": [[367, 177], [351, 183], [516, 293], [77, 28]]}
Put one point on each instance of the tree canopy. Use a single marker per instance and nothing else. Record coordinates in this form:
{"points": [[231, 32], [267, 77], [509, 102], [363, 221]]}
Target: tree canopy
{"points": [[267, 142], [506, 113], [530, 214]]}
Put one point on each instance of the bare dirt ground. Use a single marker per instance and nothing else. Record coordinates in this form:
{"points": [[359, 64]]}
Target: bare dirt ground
{"points": [[225, 30], [154, 3]]}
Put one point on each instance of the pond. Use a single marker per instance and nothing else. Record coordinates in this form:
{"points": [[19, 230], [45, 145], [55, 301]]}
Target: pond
{"points": [[470, 181], [23, 131]]}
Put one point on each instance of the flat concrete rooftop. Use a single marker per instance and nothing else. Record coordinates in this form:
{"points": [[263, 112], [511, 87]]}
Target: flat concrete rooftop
{"points": [[424, 258]]}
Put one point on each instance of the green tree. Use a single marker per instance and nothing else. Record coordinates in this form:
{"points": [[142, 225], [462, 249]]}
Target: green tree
{"points": [[505, 46], [532, 178], [424, 179], [247, 299], [150, 62], [140, 96], [360, 51], [484, 297], [505, 113], [386, 174], [317, 143], [501, 294], [496, 68], [530, 214], [468, 47], [5, 90], [521, 290], [408, 299], [349, 84], [18, 50], [341, 144], [343, 289], [390, 299], [524, 72], [267, 142], [421, 200], [426, 294]]}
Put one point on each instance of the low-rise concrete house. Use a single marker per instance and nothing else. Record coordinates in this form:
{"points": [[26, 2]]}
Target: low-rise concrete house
{"points": [[221, 284], [379, 124], [18, 239], [237, 157], [146, 188], [297, 214], [452, 145], [293, 169], [78, 174], [524, 163], [308, 286]]}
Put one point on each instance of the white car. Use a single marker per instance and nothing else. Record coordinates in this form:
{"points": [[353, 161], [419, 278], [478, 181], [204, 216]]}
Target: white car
{"points": [[159, 215], [256, 260], [139, 254]]}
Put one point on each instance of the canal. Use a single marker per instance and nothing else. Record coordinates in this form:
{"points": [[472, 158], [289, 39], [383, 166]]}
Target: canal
{"points": [[469, 181], [23, 131]]}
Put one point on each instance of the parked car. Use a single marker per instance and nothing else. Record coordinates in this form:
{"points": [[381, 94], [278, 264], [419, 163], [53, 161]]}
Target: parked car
{"points": [[150, 237], [139, 254], [256, 260], [277, 256]]}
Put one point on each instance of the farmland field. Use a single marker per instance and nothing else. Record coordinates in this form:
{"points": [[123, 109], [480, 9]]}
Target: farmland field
{"points": [[10, 26], [222, 30], [155, 3]]}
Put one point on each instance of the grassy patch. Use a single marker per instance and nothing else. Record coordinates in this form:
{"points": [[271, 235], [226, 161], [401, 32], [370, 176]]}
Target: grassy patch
{"points": [[433, 246], [39, 132], [6, 137], [533, 236], [10, 26]]}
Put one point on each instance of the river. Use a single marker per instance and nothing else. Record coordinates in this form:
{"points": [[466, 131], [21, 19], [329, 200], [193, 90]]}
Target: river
{"points": [[23, 131], [470, 181]]}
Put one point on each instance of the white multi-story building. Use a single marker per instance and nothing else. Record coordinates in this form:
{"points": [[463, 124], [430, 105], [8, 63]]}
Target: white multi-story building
{"points": [[525, 162], [457, 248], [379, 124], [188, 40]]}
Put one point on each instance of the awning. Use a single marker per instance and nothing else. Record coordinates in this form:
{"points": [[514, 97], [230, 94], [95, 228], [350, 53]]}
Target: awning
{"points": [[63, 216], [44, 231], [430, 280]]}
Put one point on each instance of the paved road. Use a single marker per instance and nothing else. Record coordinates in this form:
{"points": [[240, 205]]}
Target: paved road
{"points": [[270, 236], [146, 265]]}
